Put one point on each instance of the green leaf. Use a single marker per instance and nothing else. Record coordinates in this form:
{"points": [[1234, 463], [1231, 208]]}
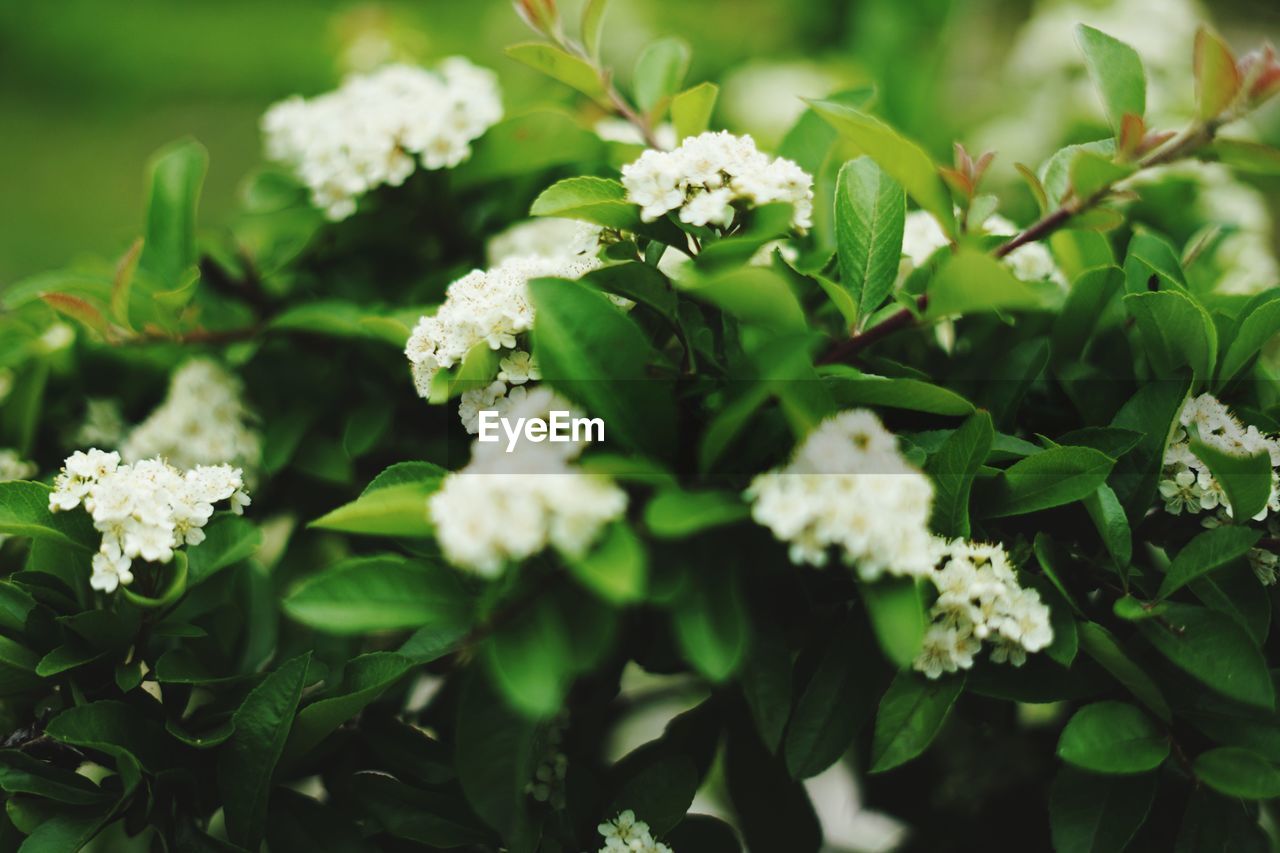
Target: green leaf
{"points": [[829, 711], [678, 514], [24, 511], [897, 611], [228, 539], [22, 774], [1177, 332], [1245, 156], [169, 245], [765, 678], [557, 64], [1113, 737], [174, 586], [247, 761], [1214, 649], [711, 623], [870, 211], [1218, 80], [600, 359], [905, 161], [756, 295], [527, 144], [1097, 814], [1100, 645], [638, 282], [364, 679], [970, 282], [952, 470], [602, 201], [531, 661], [65, 831], [1117, 72], [1113, 525], [399, 510], [494, 754], [1093, 173], [1257, 324], [911, 714], [617, 568], [1053, 477], [437, 818], [1152, 263], [593, 25], [1209, 551], [116, 728], [691, 109], [1238, 772], [383, 593], [659, 72], [1152, 412], [851, 387], [1245, 479]]}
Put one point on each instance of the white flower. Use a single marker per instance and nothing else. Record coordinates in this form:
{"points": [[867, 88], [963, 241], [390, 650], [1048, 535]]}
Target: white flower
{"points": [[922, 236], [979, 600], [710, 175], [503, 507], [14, 467], [490, 307], [518, 368], [625, 832], [612, 129], [143, 510], [377, 128], [546, 237], [103, 424], [847, 487], [202, 421]]}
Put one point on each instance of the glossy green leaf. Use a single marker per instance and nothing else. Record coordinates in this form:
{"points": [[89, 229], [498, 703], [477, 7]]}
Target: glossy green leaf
{"points": [[1209, 551], [971, 282], [1092, 814], [169, 245], [1113, 737], [953, 469], [559, 65], [1239, 773], [1117, 72], [691, 109], [1102, 646], [870, 211], [364, 679], [911, 714], [1057, 476], [1213, 649], [24, 511], [677, 514], [1176, 331], [616, 568], [1245, 479]]}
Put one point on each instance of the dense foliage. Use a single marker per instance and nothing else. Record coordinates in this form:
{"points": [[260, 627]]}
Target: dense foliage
{"points": [[989, 514]]}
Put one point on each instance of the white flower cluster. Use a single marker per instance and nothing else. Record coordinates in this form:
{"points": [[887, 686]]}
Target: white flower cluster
{"points": [[377, 128], [144, 510], [848, 487], [486, 306], [979, 599], [503, 507], [103, 424], [922, 236], [544, 237], [624, 832], [14, 467], [202, 421], [709, 174], [1187, 485]]}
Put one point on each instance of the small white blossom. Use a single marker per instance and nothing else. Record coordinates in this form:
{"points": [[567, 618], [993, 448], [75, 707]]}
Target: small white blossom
{"points": [[626, 832], [103, 425], [710, 176], [144, 510], [202, 421], [503, 507], [922, 236], [979, 600], [377, 128], [612, 129], [485, 306], [14, 467], [546, 237], [848, 487]]}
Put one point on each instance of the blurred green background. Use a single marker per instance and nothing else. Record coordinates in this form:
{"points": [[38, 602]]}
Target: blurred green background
{"points": [[89, 88]]}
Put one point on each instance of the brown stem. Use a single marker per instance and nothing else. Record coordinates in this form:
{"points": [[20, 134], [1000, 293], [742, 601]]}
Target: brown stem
{"points": [[846, 349]]}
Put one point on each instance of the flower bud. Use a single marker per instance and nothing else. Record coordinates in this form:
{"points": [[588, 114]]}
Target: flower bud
{"points": [[541, 15], [1260, 70]]}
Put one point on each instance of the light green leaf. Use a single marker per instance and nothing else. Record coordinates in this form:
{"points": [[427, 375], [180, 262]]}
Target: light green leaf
{"points": [[971, 282], [677, 514], [1257, 323], [1245, 479], [660, 70], [399, 510], [1209, 551], [756, 295], [897, 611], [1176, 330], [851, 387], [531, 660], [616, 568], [247, 761], [870, 211], [1245, 156], [386, 593], [169, 245], [711, 623], [691, 109], [901, 158], [1113, 737], [911, 715], [557, 64], [228, 540], [24, 511], [527, 144], [1091, 173], [1116, 70], [1217, 78], [1057, 476]]}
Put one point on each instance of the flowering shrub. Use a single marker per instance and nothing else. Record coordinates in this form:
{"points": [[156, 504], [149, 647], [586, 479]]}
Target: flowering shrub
{"points": [[847, 427]]}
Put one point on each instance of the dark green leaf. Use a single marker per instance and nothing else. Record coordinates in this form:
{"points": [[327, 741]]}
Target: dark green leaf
{"points": [[1113, 737], [952, 470], [911, 714], [1214, 649], [870, 212], [1097, 814]]}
